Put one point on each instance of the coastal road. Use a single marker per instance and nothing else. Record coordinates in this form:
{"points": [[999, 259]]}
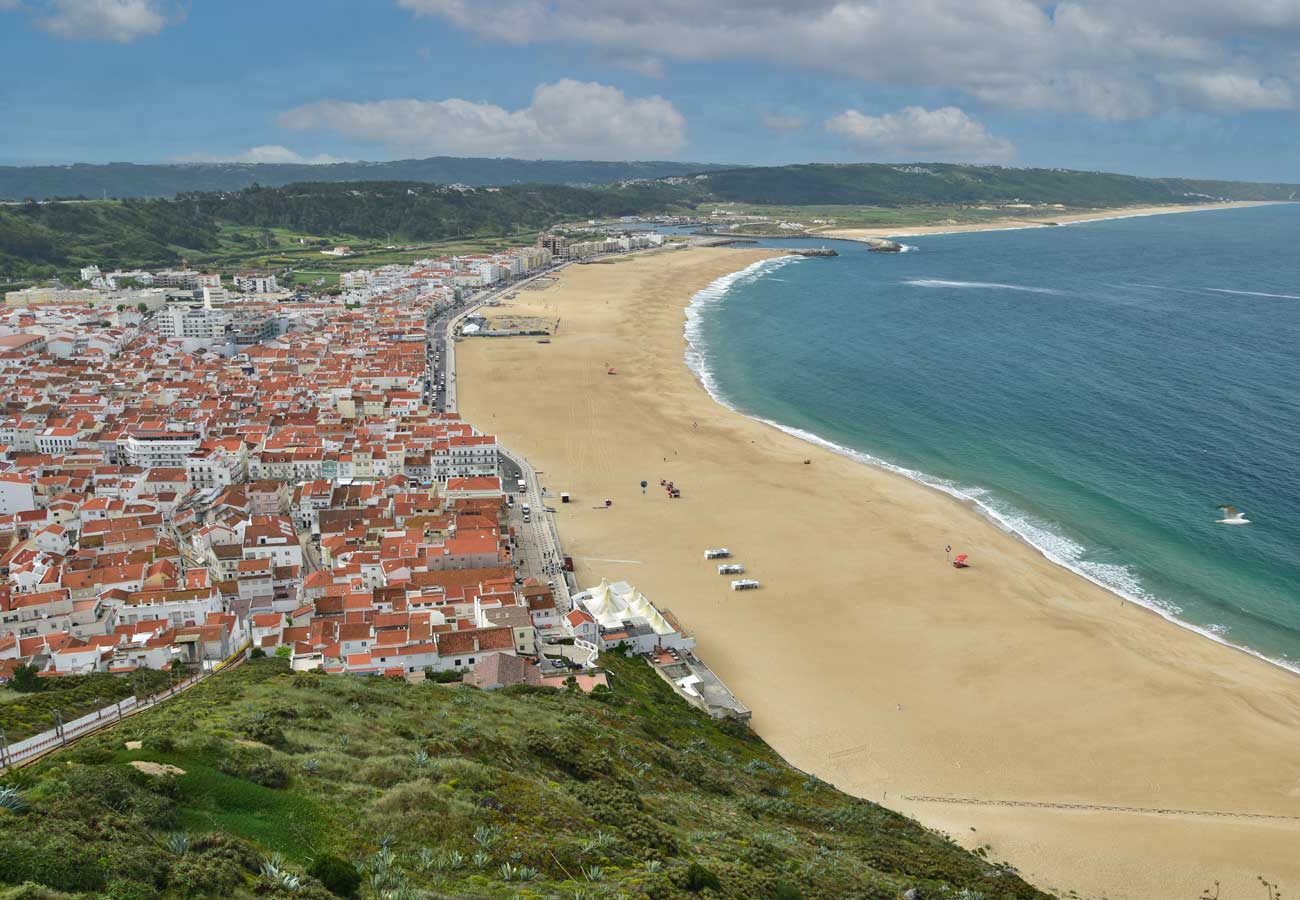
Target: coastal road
{"points": [[538, 543]]}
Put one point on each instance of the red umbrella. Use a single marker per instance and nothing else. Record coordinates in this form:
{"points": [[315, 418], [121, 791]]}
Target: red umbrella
{"points": [[961, 557]]}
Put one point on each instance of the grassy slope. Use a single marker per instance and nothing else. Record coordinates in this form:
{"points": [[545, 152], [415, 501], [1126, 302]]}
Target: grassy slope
{"points": [[582, 790], [22, 715]]}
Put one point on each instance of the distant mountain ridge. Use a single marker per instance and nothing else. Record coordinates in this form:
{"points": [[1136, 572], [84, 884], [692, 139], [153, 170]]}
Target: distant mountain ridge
{"points": [[134, 180], [882, 184]]}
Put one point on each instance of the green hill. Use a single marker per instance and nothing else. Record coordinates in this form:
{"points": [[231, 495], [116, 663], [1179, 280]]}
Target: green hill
{"points": [[873, 184], [123, 180], [449, 792], [42, 240]]}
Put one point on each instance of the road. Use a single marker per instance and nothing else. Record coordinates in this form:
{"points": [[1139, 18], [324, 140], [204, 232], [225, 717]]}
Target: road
{"points": [[537, 549]]}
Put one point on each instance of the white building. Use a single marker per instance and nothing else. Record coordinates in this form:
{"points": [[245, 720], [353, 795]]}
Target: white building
{"points": [[256, 284], [625, 617], [16, 494], [149, 449]]}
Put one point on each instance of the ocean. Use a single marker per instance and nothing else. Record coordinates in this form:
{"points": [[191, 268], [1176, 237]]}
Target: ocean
{"points": [[1098, 388]]}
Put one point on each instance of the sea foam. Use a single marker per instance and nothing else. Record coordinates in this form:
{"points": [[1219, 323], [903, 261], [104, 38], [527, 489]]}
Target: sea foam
{"points": [[983, 285], [1042, 536]]}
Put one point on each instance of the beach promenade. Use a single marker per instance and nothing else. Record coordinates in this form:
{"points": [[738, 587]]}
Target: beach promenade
{"points": [[1013, 705]]}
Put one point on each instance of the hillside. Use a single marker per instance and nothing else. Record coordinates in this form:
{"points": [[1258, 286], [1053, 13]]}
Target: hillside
{"points": [[436, 791], [874, 184], [122, 180], [42, 240]]}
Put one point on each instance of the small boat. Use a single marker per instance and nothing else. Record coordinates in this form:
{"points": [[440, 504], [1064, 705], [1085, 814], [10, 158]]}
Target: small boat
{"points": [[611, 371], [959, 561]]}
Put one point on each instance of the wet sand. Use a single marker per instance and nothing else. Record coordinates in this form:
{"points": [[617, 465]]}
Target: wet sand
{"points": [[1017, 680]]}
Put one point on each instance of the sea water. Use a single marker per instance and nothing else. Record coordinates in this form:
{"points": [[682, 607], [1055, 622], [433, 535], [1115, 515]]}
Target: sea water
{"points": [[1098, 388]]}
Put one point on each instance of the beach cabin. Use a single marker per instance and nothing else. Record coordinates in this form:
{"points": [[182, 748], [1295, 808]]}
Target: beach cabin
{"points": [[730, 569], [744, 584], [720, 553]]}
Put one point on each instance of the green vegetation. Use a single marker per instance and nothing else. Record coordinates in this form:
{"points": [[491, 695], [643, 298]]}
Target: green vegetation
{"points": [[130, 180], [876, 184], [41, 240], [262, 782], [284, 229], [25, 710]]}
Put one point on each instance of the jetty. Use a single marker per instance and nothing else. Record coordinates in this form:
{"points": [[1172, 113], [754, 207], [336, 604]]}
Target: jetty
{"points": [[815, 251]]}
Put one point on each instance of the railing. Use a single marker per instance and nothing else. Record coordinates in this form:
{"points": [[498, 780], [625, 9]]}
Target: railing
{"points": [[30, 748]]}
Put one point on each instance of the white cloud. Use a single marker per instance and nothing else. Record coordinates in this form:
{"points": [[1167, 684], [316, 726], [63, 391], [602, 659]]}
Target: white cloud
{"points": [[102, 20], [1111, 59], [778, 122], [264, 153], [1233, 91], [946, 134], [567, 119]]}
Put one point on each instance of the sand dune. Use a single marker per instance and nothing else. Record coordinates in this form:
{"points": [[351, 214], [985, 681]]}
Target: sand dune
{"points": [[1017, 680]]}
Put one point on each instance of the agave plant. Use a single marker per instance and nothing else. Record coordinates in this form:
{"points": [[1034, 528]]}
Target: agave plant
{"points": [[384, 858], [653, 865], [421, 758], [599, 841], [969, 894], [312, 766], [272, 866], [593, 873], [344, 740], [425, 859], [526, 873], [455, 859], [506, 871], [481, 859], [12, 799], [487, 835], [177, 843]]}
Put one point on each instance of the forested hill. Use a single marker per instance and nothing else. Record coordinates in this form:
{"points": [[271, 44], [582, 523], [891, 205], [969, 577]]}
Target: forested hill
{"points": [[41, 240], [873, 184], [121, 180], [417, 211], [260, 782]]}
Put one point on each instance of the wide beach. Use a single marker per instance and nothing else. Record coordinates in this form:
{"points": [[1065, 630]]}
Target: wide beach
{"points": [[1031, 219], [865, 657]]}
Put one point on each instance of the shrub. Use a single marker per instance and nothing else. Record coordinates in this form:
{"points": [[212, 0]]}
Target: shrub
{"points": [[257, 766], [25, 680], [698, 878], [257, 653], [338, 875]]}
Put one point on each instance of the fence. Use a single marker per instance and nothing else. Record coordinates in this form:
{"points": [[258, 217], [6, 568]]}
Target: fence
{"points": [[39, 744]]}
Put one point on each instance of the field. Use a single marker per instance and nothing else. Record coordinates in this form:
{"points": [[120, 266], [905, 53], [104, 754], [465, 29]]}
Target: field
{"points": [[445, 791]]}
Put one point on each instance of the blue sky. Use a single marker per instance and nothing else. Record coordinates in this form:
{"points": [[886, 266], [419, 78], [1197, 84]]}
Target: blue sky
{"points": [[1177, 87]]}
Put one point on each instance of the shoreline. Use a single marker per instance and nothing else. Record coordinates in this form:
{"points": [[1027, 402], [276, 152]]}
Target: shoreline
{"points": [[1015, 680], [1011, 224], [696, 361]]}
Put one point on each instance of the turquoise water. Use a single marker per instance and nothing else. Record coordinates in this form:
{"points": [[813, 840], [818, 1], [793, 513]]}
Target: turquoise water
{"points": [[1098, 388]]}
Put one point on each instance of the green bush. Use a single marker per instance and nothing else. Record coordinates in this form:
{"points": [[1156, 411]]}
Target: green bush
{"points": [[257, 766], [338, 875], [698, 878]]}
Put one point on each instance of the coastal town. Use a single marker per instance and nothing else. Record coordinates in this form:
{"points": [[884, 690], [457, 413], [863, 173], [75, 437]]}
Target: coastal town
{"points": [[191, 475]]}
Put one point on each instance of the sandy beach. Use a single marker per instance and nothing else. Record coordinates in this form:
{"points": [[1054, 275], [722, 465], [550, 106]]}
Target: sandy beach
{"points": [[866, 658], [1046, 218]]}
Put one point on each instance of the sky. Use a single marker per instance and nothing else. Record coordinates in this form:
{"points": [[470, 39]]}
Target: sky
{"points": [[1198, 88]]}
